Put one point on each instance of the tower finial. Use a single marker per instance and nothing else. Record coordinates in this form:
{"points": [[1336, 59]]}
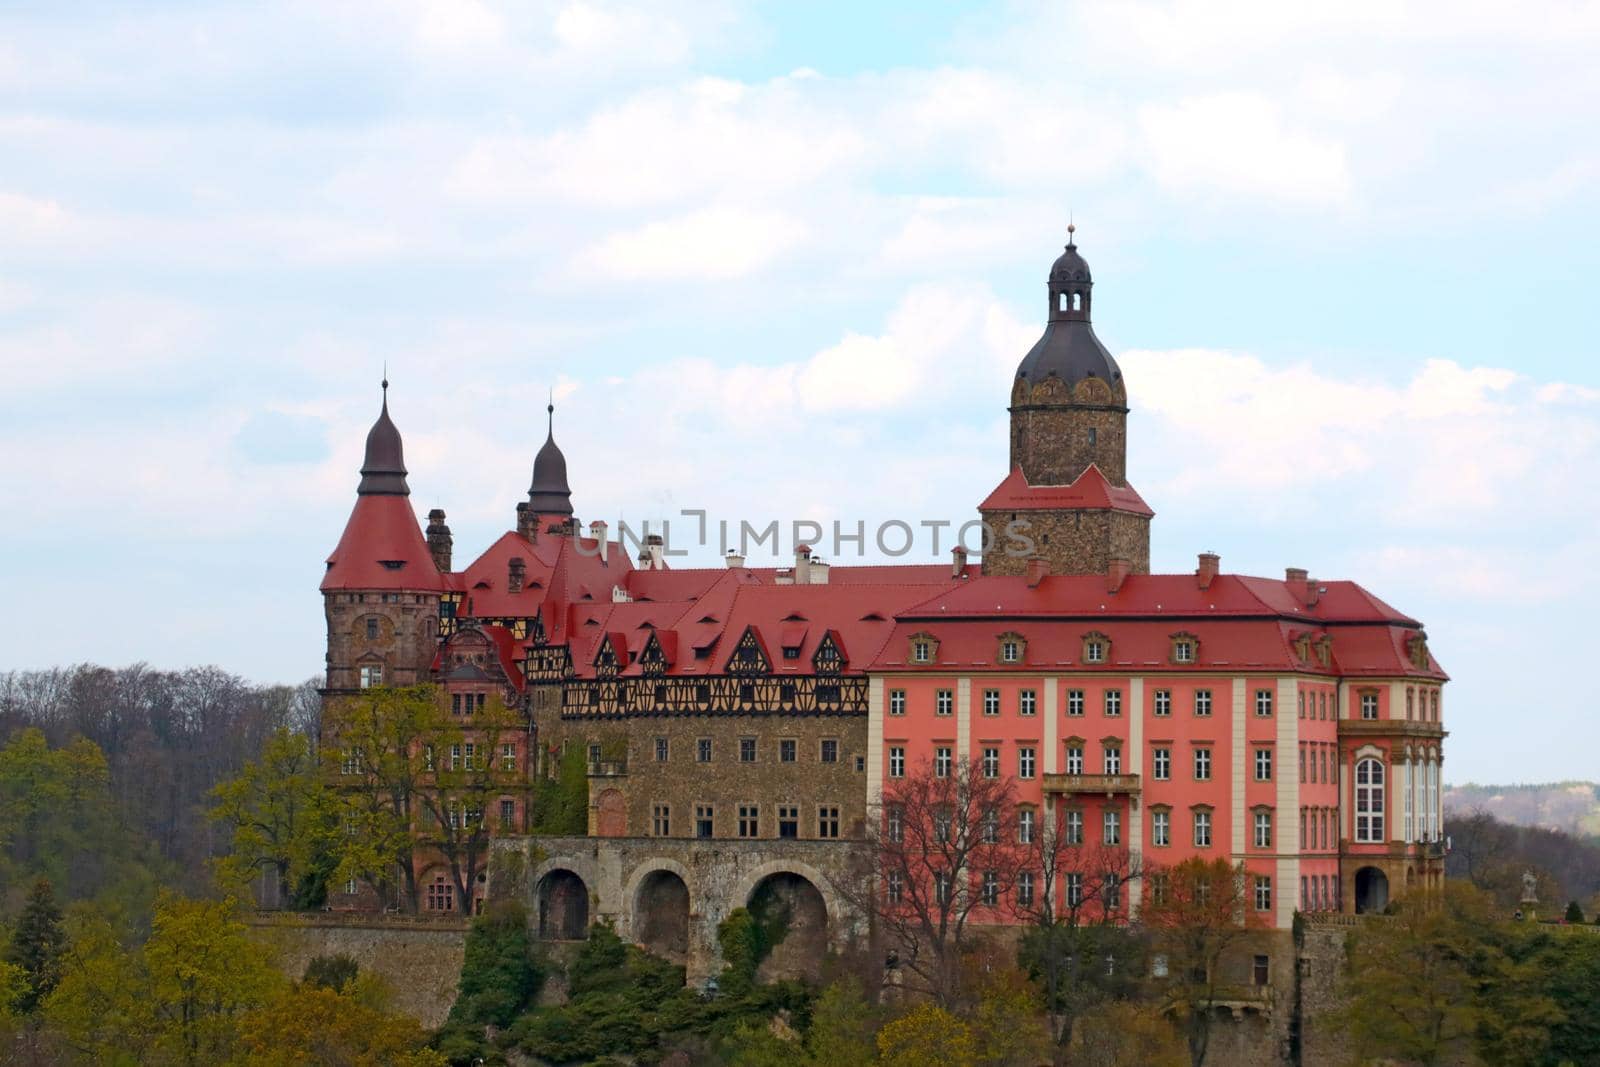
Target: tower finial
{"points": [[1071, 229], [385, 381], [550, 412]]}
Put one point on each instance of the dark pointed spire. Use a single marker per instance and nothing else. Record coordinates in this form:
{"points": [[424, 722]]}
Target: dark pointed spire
{"points": [[383, 471], [1069, 348], [549, 494]]}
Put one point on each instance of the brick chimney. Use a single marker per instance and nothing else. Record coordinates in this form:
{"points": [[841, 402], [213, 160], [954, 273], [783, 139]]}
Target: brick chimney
{"points": [[1038, 567], [652, 555], [527, 522], [1295, 579], [1210, 563], [516, 574], [597, 530], [1116, 574], [958, 560], [439, 540]]}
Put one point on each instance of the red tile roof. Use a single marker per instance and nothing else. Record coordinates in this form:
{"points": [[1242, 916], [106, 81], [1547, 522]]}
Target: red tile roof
{"points": [[1090, 490], [382, 548]]}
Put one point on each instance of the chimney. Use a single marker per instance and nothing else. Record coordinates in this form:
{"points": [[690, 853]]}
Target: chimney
{"points": [[1210, 563], [735, 561], [597, 530], [654, 549], [439, 540], [802, 564], [516, 574], [527, 522], [819, 572], [1295, 579], [1116, 574], [1313, 593], [1038, 567], [958, 560]]}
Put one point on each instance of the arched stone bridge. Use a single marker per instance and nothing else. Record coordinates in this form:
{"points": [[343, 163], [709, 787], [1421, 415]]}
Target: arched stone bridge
{"points": [[669, 894]]}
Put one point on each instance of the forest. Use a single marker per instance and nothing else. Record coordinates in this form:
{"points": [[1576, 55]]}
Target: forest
{"points": [[135, 804]]}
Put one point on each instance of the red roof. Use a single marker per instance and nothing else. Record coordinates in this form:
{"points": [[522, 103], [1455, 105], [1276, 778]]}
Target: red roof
{"points": [[382, 548], [1090, 490]]}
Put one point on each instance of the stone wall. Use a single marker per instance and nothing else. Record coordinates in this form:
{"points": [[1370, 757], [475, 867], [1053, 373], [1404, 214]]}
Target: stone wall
{"points": [[407, 636], [419, 959], [1076, 541], [1050, 424]]}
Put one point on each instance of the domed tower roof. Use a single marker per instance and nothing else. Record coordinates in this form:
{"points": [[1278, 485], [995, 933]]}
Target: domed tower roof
{"points": [[549, 494], [383, 470], [1069, 349]]}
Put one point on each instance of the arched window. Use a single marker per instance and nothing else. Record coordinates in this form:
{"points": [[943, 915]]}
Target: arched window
{"points": [[441, 894], [1077, 301], [1406, 770], [1369, 801], [1063, 302]]}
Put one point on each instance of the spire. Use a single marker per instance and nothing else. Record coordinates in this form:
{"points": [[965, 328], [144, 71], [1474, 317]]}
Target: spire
{"points": [[383, 471], [549, 494]]}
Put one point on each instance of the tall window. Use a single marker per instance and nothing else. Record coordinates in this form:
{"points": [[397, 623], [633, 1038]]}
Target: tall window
{"points": [[1074, 759], [830, 750], [1113, 827], [1074, 889], [896, 887], [1161, 763], [1183, 652], [1027, 702], [747, 750], [1113, 759], [1025, 762], [897, 702], [1369, 705], [991, 763], [1407, 788], [944, 702], [989, 827], [508, 814], [1160, 828], [1202, 702], [1263, 829], [1025, 888], [1094, 651], [788, 750], [895, 824], [991, 701], [1263, 903], [441, 895], [1074, 827], [1202, 764], [1025, 818], [371, 677], [1202, 829], [1010, 652], [661, 820], [1369, 801], [749, 821], [1263, 764], [1113, 702], [941, 887], [828, 822], [1163, 705], [704, 819], [991, 889], [508, 757], [897, 762], [1074, 702], [702, 750], [941, 762], [1263, 703], [788, 821]]}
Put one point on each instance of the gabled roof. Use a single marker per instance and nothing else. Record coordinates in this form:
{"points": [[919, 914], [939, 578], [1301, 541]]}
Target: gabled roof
{"points": [[1090, 489]]}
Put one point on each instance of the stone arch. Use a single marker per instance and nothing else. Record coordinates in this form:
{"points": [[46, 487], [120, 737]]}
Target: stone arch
{"points": [[1372, 890], [802, 896], [658, 901], [611, 814], [562, 897]]}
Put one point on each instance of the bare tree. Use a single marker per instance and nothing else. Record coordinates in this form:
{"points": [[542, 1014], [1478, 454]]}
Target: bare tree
{"points": [[942, 850]]}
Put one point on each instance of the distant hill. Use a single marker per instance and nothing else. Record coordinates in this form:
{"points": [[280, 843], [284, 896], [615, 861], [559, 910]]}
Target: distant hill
{"points": [[1570, 806]]}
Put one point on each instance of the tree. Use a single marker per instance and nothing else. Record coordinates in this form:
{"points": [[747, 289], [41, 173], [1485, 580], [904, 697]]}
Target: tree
{"points": [[1119, 1032], [499, 975], [1077, 949], [1197, 911], [37, 944], [1435, 980], [924, 1036], [1574, 912], [282, 818], [941, 847], [312, 1024], [331, 972], [841, 1026], [1008, 1028]]}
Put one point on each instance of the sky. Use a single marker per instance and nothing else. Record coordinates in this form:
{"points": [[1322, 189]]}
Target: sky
{"points": [[779, 261]]}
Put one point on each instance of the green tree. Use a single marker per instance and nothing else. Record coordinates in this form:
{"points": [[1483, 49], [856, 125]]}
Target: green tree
{"points": [[1008, 1026], [561, 804], [1574, 912], [331, 972], [500, 973], [842, 1025], [38, 942], [315, 1025], [283, 820], [1197, 911], [924, 1036], [1116, 1033]]}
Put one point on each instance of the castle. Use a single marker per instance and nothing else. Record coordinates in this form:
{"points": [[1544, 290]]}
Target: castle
{"points": [[1291, 725]]}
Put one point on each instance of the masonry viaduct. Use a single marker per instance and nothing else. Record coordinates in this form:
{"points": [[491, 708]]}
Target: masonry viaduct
{"points": [[669, 894]]}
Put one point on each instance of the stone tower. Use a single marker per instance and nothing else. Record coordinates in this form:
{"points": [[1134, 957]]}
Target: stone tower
{"points": [[1067, 499], [381, 588]]}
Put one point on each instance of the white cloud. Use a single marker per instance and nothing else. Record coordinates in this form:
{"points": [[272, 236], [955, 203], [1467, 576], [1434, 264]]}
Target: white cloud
{"points": [[1239, 144], [714, 243]]}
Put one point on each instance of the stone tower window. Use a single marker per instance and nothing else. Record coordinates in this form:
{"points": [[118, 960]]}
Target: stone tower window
{"points": [[1093, 435]]}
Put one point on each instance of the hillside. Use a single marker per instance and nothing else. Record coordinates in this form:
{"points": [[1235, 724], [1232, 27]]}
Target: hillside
{"points": [[1570, 806]]}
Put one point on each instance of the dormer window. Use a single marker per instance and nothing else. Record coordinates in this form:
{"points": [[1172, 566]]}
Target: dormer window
{"points": [[392, 564], [1096, 648], [1185, 648], [923, 648], [1011, 648]]}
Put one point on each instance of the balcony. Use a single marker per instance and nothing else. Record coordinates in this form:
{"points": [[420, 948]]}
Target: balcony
{"points": [[1109, 785], [608, 768]]}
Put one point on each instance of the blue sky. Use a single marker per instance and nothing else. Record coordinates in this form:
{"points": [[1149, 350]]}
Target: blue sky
{"points": [[780, 261]]}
